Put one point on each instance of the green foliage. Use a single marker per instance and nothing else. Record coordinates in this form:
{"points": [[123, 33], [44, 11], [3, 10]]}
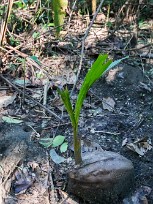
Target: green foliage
{"points": [[57, 141], [11, 120], [36, 35], [66, 99], [59, 7], [63, 147], [2, 10], [19, 4], [46, 142], [13, 41], [109, 24], [99, 67], [34, 58]]}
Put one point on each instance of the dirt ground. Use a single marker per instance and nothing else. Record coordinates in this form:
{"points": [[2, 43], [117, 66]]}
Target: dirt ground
{"points": [[130, 118], [118, 111]]}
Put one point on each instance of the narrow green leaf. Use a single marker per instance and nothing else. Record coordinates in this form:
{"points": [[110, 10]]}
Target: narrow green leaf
{"points": [[97, 69], [11, 120], [34, 58], [58, 140], [67, 102], [115, 63], [50, 25]]}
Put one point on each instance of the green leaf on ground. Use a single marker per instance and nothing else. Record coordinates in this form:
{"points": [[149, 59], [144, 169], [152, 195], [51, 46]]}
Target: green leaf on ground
{"points": [[9, 119], [46, 142], [34, 58], [58, 140], [63, 147]]}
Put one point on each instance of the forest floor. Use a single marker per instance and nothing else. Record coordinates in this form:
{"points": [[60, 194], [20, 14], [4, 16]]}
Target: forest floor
{"points": [[117, 113]]}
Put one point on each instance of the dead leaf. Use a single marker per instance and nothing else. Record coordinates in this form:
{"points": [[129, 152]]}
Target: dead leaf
{"points": [[57, 102], [145, 86], [65, 198], [34, 165], [139, 197], [108, 104], [95, 112], [124, 142], [112, 74], [140, 146], [5, 99], [37, 93], [89, 146], [2, 93], [61, 72], [23, 180], [39, 190]]}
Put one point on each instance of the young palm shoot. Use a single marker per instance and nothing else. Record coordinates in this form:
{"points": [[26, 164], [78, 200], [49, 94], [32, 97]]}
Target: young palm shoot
{"points": [[99, 67]]}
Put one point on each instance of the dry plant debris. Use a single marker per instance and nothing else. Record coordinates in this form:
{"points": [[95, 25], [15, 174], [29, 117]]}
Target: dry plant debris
{"points": [[128, 89]]}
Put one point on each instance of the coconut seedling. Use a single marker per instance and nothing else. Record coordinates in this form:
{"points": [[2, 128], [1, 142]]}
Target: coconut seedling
{"points": [[103, 176], [99, 67]]}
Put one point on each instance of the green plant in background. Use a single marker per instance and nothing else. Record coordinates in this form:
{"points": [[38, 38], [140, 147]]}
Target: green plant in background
{"points": [[59, 11], [36, 35], [54, 142], [13, 41], [57, 141], [99, 67]]}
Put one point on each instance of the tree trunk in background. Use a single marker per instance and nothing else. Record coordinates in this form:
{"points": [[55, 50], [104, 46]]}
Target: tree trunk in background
{"points": [[91, 4], [94, 5], [59, 11]]}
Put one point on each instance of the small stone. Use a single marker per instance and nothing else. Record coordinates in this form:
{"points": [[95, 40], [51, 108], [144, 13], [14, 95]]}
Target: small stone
{"points": [[104, 177]]}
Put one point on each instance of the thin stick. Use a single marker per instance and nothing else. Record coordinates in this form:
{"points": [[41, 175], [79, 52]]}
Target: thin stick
{"points": [[27, 96], [105, 132], [71, 14], [4, 23], [83, 42], [29, 61]]}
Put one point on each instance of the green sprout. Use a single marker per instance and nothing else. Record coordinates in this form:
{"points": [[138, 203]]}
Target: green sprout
{"points": [[99, 67]]}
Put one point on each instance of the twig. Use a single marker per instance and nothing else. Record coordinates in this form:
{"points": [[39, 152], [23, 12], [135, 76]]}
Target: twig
{"points": [[134, 49], [28, 59], [71, 14], [37, 5], [46, 87], [51, 189], [149, 55], [27, 96], [139, 48], [83, 42], [105, 132], [4, 22]]}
